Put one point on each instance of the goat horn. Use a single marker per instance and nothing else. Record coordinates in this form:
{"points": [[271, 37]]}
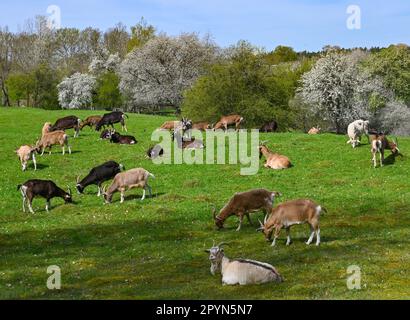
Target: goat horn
{"points": [[222, 244], [78, 180], [260, 222], [69, 190], [214, 212], [266, 219]]}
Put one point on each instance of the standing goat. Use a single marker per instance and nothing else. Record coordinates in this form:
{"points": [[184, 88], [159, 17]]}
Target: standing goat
{"points": [[42, 188], [241, 204], [241, 271], [134, 178], [25, 153], [355, 130], [274, 160], [203, 126], [46, 128], [91, 122], [98, 175], [226, 121], [109, 119], [70, 122], [291, 213], [53, 138], [380, 143]]}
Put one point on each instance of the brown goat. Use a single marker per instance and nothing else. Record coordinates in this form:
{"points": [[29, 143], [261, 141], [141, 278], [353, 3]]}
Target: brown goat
{"points": [[91, 122], [291, 213], [314, 131], [380, 143], [46, 128], [53, 138], [241, 204], [226, 121], [201, 126], [274, 160]]}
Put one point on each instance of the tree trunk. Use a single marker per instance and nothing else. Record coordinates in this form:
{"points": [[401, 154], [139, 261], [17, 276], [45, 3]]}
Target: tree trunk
{"points": [[6, 99]]}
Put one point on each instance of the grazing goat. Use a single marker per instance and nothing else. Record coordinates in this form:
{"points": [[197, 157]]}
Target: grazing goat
{"points": [[380, 143], [109, 119], [53, 138], [292, 213], [244, 203], [184, 124], [241, 271], [70, 122], [274, 160], [25, 153], [270, 126], [91, 122], [106, 134], [118, 138], [314, 131], [187, 143], [226, 121], [203, 126], [98, 175], [134, 178], [46, 128], [355, 130], [42, 188], [155, 152]]}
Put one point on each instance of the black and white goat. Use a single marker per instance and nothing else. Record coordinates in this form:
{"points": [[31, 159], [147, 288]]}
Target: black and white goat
{"points": [[241, 271], [42, 188], [98, 175], [118, 138]]}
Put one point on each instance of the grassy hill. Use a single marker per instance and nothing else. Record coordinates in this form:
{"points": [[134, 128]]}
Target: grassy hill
{"points": [[155, 249]]}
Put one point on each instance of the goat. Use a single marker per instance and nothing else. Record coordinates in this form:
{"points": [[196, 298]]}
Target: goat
{"points": [[380, 143], [203, 126], [242, 204], [155, 152], [274, 160], [134, 178], [91, 122], [70, 122], [106, 134], [118, 138], [291, 213], [314, 131], [98, 175], [46, 128], [355, 130], [184, 124], [270, 126], [109, 119], [25, 153], [226, 121], [53, 138], [187, 143], [241, 271], [42, 188]]}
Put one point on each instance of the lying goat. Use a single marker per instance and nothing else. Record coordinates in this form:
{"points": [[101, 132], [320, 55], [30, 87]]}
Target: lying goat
{"points": [[25, 153], [106, 134], [241, 271], [292, 213], [155, 152], [98, 175], [274, 160], [42, 188], [314, 131], [118, 138], [380, 143], [134, 178], [270, 126], [241, 204], [53, 138], [203, 126]]}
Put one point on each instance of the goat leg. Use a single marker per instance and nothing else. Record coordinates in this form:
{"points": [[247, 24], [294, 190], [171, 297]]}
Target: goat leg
{"points": [[288, 239], [240, 222]]}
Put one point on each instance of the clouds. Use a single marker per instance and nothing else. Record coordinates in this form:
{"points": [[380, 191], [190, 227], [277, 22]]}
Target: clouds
{"points": [[303, 24]]}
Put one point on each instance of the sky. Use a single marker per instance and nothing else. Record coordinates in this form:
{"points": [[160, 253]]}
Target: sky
{"points": [[301, 24]]}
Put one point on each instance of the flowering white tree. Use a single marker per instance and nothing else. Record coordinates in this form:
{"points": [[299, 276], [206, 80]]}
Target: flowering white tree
{"points": [[76, 92], [339, 90], [104, 61], [158, 73]]}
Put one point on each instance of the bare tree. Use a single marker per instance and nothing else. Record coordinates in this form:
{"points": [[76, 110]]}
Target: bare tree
{"points": [[6, 61]]}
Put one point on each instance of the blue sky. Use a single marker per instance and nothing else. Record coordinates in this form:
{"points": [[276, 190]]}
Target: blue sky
{"points": [[302, 24]]}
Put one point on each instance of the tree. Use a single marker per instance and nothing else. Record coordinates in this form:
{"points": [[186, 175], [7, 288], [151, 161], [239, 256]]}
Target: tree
{"points": [[6, 61], [281, 54], [76, 92], [107, 94], [20, 87], [141, 33], [116, 40], [338, 89], [156, 74]]}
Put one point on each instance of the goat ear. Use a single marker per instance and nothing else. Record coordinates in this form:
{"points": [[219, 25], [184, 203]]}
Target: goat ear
{"points": [[207, 251]]}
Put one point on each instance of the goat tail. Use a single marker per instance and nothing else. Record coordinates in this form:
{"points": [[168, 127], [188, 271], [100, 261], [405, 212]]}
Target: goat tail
{"points": [[320, 210]]}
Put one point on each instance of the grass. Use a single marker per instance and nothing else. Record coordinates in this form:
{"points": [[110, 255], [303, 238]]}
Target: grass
{"points": [[154, 249]]}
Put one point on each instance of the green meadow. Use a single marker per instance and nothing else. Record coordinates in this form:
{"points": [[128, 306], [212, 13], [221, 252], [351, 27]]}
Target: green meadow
{"points": [[155, 249]]}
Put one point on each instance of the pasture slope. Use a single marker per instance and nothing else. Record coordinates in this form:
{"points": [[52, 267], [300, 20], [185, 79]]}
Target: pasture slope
{"points": [[155, 249]]}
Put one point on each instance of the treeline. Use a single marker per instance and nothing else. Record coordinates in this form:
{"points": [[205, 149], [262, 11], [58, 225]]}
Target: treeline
{"points": [[142, 70]]}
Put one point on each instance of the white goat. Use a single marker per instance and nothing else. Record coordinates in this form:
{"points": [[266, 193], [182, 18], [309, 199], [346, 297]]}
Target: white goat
{"points": [[123, 181], [355, 131], [25, 153], [241, 271]]}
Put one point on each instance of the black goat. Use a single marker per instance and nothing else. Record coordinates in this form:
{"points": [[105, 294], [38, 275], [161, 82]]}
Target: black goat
{"points": [[98, 175], [118, 138], [70, 122], [42, 188], [270, 126], [155, 152], [110, 118]]}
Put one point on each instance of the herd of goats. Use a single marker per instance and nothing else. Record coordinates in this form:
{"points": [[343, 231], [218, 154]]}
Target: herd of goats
{"points": [[283, 216]]}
